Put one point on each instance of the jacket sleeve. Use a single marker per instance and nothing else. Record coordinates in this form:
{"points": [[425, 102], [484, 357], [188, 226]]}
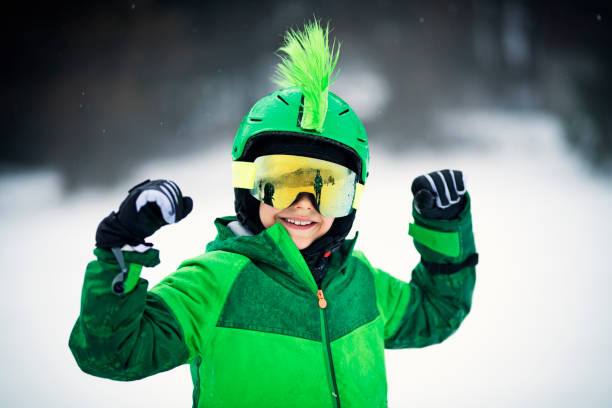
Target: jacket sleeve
{"points": [[430, 307], [125, 337]]}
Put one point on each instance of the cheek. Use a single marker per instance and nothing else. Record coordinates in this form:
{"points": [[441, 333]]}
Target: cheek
{"points": [[326, 224], [266, 214]]}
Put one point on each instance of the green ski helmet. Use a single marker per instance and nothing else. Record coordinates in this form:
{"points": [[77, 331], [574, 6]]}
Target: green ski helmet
{"points": [[282, 113], [303, 119]]}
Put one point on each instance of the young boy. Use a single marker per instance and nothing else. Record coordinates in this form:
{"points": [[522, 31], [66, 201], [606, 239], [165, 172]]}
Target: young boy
{"points": [[280, 310]]}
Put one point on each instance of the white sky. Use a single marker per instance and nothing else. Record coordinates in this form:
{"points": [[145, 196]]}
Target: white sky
{"points": [[539, 333]]}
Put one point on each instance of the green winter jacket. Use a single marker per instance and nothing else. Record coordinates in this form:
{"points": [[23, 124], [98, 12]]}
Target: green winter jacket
{"points": [[258, 332]]}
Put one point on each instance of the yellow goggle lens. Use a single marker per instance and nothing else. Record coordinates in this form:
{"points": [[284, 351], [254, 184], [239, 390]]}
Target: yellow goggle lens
{"points": [[279, 179]]}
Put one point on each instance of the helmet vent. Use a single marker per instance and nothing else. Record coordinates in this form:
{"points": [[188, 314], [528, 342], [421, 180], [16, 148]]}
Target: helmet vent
{"points": [[343, 112], [300, 112], [284, 101], [361, 140], [255, 120]]}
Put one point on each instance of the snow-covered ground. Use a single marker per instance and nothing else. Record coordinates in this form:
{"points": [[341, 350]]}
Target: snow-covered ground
{"points": [[539, 334]]}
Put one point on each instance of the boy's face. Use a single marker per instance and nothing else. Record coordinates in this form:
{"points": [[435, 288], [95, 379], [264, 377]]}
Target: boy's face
{"points": [[301, 211]]}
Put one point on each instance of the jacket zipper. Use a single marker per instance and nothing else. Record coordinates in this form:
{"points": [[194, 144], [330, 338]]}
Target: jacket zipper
{"points": [[325, 335]]}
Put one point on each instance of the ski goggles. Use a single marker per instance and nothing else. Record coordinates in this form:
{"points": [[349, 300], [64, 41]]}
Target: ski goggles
{"points": [[279, 179]]}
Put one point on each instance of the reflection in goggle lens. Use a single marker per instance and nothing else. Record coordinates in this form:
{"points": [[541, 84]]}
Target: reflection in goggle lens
{"points": [[280, 179]]}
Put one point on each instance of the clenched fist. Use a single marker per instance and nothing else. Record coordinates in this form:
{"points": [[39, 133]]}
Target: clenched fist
{"points": [[439, 194], [148, 206]]}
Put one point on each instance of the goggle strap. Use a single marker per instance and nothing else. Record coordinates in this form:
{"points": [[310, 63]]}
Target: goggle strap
{"points": [[358, 192], [243, 174]]}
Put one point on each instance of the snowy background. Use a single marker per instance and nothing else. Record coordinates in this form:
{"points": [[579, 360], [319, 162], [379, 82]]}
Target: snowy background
{"points": [[539, 334], [102, 95]]}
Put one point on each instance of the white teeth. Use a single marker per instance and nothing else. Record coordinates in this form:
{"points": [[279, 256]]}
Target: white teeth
{"points": [[296, 222]]}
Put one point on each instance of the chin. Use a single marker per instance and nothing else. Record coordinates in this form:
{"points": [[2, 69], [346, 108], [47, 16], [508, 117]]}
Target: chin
{"points": [[302, 244]]}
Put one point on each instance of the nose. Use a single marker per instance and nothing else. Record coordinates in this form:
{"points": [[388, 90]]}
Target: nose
{"points": [[304, 201]]}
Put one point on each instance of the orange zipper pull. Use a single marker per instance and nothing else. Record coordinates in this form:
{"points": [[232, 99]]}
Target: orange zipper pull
{"points": [[322, 301]]}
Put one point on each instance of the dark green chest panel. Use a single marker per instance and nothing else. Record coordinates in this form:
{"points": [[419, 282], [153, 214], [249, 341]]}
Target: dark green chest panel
{"points": [[259, 302], [351, 300]]}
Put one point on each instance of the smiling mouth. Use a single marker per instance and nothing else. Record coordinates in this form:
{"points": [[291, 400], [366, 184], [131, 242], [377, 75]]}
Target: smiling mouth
{"points": [[297, 223]]}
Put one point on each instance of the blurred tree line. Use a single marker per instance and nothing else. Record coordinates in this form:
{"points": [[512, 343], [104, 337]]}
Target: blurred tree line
{"points": [[92, 88]]}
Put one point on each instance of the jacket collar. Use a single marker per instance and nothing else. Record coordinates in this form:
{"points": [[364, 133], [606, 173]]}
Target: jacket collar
{"points": [[274, 250]]}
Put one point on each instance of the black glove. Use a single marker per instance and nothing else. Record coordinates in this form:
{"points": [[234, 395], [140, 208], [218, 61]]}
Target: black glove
{"points": [[148, 206], [440, 194]]}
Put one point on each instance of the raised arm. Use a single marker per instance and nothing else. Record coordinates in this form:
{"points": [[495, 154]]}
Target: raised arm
{"points": [[430, 308], [124, 332]]}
